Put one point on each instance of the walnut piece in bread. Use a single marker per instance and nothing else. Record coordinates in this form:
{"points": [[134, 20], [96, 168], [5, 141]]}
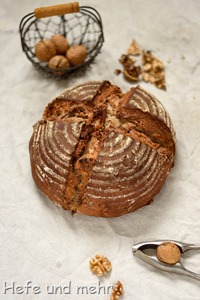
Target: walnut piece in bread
{"points": [[101, 152], [168, 253]]}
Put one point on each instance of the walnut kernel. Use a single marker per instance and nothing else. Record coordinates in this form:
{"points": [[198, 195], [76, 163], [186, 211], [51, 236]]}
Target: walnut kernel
{"points": [[134, 48], [117, 291], [76, 55], [45, 50], [100, 265], [131, 72], [60, 43], [153, 70], [150, 70], [168, 253]]}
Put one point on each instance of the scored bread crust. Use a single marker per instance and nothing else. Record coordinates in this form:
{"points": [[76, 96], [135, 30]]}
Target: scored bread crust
{"points": [[100, 152]]}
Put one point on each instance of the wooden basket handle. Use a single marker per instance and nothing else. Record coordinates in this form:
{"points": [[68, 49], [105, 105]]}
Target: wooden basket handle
{"points": [[56, 10]]}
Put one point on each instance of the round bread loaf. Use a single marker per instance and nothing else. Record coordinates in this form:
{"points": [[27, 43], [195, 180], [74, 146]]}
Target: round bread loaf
{"points": [[100, 152]]}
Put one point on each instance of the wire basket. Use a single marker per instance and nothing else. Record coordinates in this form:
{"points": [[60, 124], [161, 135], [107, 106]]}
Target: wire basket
{"points": [[80, 25]]}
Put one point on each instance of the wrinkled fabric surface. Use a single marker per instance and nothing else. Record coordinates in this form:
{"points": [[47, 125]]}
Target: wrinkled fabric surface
{"points": [[43, 246]]}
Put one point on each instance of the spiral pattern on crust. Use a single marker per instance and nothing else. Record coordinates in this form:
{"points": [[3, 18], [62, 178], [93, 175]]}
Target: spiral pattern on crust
{"points": [[82, 92], [51, 148], [146, 102], [126, 171]]}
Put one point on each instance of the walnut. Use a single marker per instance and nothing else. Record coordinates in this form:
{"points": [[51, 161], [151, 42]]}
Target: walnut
{"points": [[147, 67], [126, 61], [58, 62], [148, 77], [100, 265], [150, 70], [117, 291], [45, 50], [134, 48], [153, 70], [76, 55], [60, 43], [131, 72], [168, 253]]}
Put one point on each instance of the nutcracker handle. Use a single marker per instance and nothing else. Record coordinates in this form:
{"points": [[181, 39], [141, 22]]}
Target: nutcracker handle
{"points": [[56, 10]]}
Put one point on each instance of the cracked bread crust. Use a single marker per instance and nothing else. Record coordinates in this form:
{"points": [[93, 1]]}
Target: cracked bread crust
{"points": [[100, 152]]}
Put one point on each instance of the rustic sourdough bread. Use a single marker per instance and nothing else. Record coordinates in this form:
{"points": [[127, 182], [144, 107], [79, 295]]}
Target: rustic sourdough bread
{"points": [[100, 152]]}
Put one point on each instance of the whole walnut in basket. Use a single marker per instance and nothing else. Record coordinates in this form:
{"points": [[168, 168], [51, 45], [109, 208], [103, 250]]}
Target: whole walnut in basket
{"points": [[60, 43], [58, 62], [101, 152], [76, 55], [45, 50]]}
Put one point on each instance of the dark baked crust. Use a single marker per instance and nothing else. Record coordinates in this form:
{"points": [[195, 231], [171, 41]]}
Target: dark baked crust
{"points": [[51, 147], [100, 152]]}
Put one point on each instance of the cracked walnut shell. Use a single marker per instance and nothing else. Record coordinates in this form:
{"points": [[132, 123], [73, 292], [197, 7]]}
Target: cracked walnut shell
{"points": [[100, 265]]}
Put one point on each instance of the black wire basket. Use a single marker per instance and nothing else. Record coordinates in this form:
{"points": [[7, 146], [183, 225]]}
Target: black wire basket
{"points": [[80, 25]]}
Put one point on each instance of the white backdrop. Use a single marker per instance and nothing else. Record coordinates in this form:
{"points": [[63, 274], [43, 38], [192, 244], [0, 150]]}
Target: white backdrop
{"points": [[45, 245]]}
